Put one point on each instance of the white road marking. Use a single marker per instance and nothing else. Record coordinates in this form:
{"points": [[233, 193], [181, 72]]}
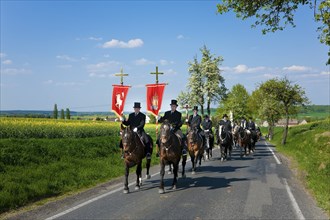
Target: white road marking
{"points": [[293, 201], [98, 197], [277, 160]]}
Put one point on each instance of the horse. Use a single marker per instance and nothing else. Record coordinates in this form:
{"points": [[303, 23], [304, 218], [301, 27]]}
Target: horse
{"points": [[170, 153], [134, 153], [225, 142], [235, 135], [244, 140], [209, 142], [195, 147]]}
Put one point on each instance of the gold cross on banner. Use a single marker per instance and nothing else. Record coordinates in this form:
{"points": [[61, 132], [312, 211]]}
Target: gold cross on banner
{"points": [[121, 74], [156, 73]]}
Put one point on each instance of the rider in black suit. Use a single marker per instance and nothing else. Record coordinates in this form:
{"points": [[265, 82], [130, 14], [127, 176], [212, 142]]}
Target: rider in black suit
{"points": [[174, 118], [136, 121], [195, 121]]}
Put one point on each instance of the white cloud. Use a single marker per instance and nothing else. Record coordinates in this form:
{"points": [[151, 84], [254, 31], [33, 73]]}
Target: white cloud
{"points": [[295, 68], [165, 62], [96, 75], [325, 73], [170, 72], [48, 82], [103, 67], [65, 66], [241, 68], [69, 84], [2, 55], [143, 61], [14, 71], [7, 62], [66, 57], [121, 44], [95, 38], [180, 37]]}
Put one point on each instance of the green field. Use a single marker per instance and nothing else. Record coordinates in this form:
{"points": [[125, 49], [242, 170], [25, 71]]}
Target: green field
{"points": [[42, 158]]}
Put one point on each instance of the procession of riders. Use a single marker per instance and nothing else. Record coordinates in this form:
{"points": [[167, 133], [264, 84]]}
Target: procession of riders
{"points": [[203, 127]]}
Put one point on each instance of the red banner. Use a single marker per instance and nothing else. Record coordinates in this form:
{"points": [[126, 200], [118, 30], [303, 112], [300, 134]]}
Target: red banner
{"points": [[119, 94], [154, 97]]}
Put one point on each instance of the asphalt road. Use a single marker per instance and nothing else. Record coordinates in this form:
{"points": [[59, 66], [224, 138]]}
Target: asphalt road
{"points": [[259, 186]]}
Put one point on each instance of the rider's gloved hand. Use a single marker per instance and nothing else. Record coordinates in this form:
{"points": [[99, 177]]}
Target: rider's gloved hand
{"points": [[135, 129]]}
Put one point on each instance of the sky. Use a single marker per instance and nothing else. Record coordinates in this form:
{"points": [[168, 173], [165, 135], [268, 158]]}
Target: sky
{"points": [[67, 52]]}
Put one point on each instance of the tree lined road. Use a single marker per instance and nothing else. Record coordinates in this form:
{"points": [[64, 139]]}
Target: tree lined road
{"points": [[258, 186]]}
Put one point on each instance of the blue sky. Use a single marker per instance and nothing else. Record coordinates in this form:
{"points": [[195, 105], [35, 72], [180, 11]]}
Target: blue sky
{"points": [[66, 52]]}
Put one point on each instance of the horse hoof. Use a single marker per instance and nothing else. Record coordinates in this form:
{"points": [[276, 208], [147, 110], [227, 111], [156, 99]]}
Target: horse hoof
{"points": [[193, 172], [169, 172], [161, 191], [137, 188], [173, 187], [148, 176], [126, 191]]}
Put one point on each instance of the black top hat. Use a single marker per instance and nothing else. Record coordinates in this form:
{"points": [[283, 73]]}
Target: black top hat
{"points": [[137, 105], [225, 115], [174, 102], [195, 108], [206, 116]]}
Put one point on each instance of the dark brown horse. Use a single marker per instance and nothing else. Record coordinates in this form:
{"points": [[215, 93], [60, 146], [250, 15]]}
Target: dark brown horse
{"points": [[225, 140], [209, 143], [244, 141], [170, 153], [134, 152], [195, 147]]}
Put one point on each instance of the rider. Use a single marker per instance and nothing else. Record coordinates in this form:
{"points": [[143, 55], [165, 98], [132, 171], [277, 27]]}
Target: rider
{"points": [[243, 123], [174, 118], [195, 121], [207, 125], [226, 123], [136, 121], [250, 125]]}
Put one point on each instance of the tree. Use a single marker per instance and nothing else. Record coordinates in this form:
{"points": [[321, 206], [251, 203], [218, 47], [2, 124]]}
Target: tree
{"points": [[276, 15], [266, 108], [286, 95], [205, 85], [67, 113], [55, 112], [214, 84], [62, 114], [236, 101], [195, 84]]}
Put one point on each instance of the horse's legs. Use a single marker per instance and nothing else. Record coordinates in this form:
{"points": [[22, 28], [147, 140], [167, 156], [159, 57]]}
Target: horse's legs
{"points": [[193, 162], [170, 169], [162, 172], [126, 189], [138, 176], [148, 168], [184, 159], [175, 171]]}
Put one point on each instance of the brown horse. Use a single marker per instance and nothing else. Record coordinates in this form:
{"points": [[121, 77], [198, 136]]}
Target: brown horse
{"points": [[195, 147], [244, 139], [134, 152], [170, 153]]}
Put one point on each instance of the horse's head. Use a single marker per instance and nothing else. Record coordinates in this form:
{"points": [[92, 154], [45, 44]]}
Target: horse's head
{"points": [[165, 131], [127, 137], [192, 135], [236, 129]]}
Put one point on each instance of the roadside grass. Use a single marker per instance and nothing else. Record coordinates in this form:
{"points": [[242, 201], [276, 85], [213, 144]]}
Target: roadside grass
{"points": [[309, 148]]}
